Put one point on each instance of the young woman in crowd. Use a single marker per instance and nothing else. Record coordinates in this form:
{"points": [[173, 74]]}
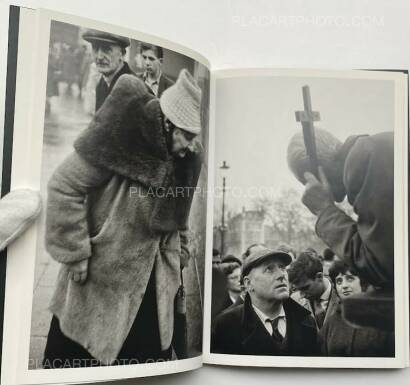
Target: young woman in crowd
{"points": [[340, 339]]}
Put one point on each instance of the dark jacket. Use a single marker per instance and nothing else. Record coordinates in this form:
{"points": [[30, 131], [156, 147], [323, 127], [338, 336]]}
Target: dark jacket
{"points": [[164, 83], [368, 177], [102, 91], [339, 339], [308, 305], [238, 330], [218, 290]]}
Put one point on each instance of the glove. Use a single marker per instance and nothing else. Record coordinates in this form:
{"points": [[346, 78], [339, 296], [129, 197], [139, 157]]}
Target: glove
{"points": [[18, 210]]}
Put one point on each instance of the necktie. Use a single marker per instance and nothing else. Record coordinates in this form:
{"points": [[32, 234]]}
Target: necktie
{"points": [[275, 331]]}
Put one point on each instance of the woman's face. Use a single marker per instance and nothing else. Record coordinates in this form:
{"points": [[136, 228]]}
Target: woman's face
{"points": [[347, 284], [234, 281]]}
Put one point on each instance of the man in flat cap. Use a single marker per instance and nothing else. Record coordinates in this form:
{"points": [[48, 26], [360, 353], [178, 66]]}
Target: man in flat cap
{"points": [[117, 221], [108, 53], [269, 322]]}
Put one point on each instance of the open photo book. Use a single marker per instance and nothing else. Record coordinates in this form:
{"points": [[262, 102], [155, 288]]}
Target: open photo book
{"points": [[190, 216]]}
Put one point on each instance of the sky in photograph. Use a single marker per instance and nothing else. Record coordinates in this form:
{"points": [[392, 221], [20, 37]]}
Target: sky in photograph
{"points": [[255, 119]]}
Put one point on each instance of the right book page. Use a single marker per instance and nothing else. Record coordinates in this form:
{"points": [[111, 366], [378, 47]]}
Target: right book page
{"points": [[309, 227]]}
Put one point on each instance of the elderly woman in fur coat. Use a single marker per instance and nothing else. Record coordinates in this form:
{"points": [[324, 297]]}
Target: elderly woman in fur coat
{"points": [[117, 215]]}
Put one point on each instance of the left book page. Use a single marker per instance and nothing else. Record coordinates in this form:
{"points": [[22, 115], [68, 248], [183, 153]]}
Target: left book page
{"points": [[111, 125]]}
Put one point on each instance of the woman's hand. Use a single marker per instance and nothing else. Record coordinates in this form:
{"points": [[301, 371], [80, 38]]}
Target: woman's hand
{"points": [[78, 271]]}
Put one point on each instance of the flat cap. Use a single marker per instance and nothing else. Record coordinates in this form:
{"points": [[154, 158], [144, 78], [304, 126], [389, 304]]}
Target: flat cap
{"points": [[92, 35], [259, 255], [231, 259]]}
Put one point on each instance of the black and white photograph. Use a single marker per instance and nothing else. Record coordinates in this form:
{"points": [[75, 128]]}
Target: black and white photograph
{"points": [[303, 228], [121, 242], [165, 211]]}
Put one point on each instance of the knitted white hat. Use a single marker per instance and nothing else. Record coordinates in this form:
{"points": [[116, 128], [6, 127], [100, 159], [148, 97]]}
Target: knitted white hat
{"points": [[181, 103]]}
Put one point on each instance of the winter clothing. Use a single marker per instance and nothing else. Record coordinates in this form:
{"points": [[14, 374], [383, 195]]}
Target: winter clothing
{"points": [[238, 330], [368, 244], [115, 202], [181, 103], [103, 89], [339, 339]]}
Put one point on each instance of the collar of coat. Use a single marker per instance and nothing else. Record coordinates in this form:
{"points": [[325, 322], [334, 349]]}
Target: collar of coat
{"points": [[293, 311], [331, 307], [127, 137]]}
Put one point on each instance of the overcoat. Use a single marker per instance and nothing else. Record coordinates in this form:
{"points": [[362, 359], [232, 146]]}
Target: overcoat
{"points": [[339, 339], [113, 201], [102, 90], [238, 330], [368, 177]]}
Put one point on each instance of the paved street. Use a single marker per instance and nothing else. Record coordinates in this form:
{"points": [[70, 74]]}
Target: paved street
{"points": [[62, 125]]}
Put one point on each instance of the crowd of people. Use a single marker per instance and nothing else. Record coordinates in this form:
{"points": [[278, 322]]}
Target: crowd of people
{"points": [[272, 302], [69, 64], [95, 64]]}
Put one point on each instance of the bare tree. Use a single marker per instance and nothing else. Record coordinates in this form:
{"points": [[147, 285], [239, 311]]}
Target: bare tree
{"points": [[291, 221]]}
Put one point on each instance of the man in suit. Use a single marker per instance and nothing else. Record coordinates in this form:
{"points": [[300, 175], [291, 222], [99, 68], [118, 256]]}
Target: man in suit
{"points": [[109, 56], [313, 290], [268, 322], [153, 77]]}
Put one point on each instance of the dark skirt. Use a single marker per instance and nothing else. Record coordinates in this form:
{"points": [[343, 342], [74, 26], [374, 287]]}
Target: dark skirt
{"points": [[142, 344]]}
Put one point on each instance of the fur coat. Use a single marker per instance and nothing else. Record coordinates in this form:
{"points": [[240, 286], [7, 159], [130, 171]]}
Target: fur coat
{"points": [[338, 339], [113, 201]]}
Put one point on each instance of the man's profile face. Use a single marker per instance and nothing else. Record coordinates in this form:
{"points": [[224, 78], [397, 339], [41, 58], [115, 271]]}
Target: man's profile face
{"points": [[216, 259], [182, 142], [233, 281], [152, 64], [309, 288], [268, 281], [108, 57]]}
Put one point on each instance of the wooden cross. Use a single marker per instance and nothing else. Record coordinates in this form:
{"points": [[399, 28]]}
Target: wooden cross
{"points": [[306, 118]]}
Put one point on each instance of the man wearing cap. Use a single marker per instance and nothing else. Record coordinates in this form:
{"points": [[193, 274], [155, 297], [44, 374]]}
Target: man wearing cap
{"points": [[117, 216], [108, 53], [268, 323], [153, 77]]}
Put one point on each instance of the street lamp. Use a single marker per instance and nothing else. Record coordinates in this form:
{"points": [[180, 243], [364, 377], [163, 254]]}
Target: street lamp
{"points": [[223, 226]]}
